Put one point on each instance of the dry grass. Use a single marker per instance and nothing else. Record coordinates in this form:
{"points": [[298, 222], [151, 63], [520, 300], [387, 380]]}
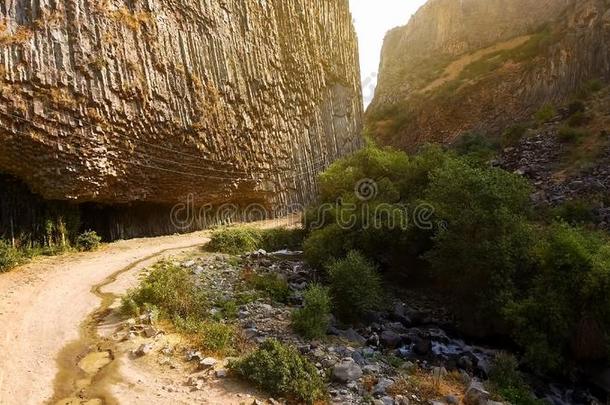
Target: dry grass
{"points": [[427, 387]]}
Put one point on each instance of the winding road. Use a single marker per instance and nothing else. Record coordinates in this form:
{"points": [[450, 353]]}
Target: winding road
{"points": [[43, 304]]}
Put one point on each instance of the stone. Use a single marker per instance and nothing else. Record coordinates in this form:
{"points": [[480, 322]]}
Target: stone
{"points": [[193, 355], [347, 370], [149, 331], [401, 400], [371, 369], [221, 373], [422, 346], [476, 394], [353, 336], [144, 349], [465, 362], [208, 362], [381, 387], [452, 400], [387, 400], [390, 339]]}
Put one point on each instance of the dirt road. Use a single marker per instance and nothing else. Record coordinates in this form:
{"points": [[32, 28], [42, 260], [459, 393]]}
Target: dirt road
{"points": [[43, 304]]}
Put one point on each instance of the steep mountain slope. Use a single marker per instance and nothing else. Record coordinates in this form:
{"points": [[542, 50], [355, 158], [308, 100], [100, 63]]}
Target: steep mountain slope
{"points": [[482, 65], [116, 101]]}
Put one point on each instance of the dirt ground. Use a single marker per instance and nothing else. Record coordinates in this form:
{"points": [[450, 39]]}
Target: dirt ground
{"points": [[44, 304]]}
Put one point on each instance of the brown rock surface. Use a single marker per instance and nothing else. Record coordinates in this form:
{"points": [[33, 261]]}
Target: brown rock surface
{"points": [[482, 65], [117, 101]]}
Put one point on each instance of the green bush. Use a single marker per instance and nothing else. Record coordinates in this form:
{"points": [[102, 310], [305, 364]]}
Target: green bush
{"points": [[575, 212], [276, 239], [475, 146], [565, 313], [481, 249], [274, 286], [578, 119], [576, 107], [210, 336], [507, 382], [571, 135], [513, 135], [235, 241], [282, 371], [312, 320], [239, 240], [88, 241], [324, 245], [9, 256], [355, 286], [546, 113], [594, 85], [170, 288]]}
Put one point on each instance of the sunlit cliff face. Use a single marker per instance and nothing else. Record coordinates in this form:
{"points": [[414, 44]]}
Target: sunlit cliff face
{"points": [[235, 101]]}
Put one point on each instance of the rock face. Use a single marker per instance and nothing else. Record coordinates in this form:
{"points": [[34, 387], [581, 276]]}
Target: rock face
{"points": [[481, 65], [115, 101]]}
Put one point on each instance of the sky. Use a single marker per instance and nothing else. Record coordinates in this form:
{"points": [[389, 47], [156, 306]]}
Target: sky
{"points": [[372, 20]]}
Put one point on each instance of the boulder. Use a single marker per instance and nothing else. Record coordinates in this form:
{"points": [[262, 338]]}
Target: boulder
{"points": [[380, 389], [144, 349], [476, 394], [422, 346], [208, 362], [347, 370], [390, 339]]}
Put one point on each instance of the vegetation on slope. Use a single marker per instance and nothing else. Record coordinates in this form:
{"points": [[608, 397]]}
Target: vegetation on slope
{"points": [[542, 282]]}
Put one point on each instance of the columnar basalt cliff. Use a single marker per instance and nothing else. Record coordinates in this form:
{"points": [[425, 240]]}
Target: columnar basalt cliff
{"points": [[116, 101], [481, 65]]}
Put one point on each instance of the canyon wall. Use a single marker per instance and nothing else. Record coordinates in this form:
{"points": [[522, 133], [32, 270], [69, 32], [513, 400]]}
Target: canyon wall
{"points": [[149, 101], [482, 65]]}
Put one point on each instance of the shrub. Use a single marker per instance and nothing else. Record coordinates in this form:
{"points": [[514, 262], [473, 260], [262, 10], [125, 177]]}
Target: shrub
{"points": [[274, 286], [171, 289], [240, 240], [507, 381], [282, 238], [312, 320], [486, 238], [513, 135], [217, 337], [475, 146], [578, 119], [324, 245], [571, 135], [575, 212], [210, 336], [594, 85], [546, 113], [235, 241], [355, 286], [282, 371], [576, 107], [566, 310], [88, 241], [9, 256]]}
